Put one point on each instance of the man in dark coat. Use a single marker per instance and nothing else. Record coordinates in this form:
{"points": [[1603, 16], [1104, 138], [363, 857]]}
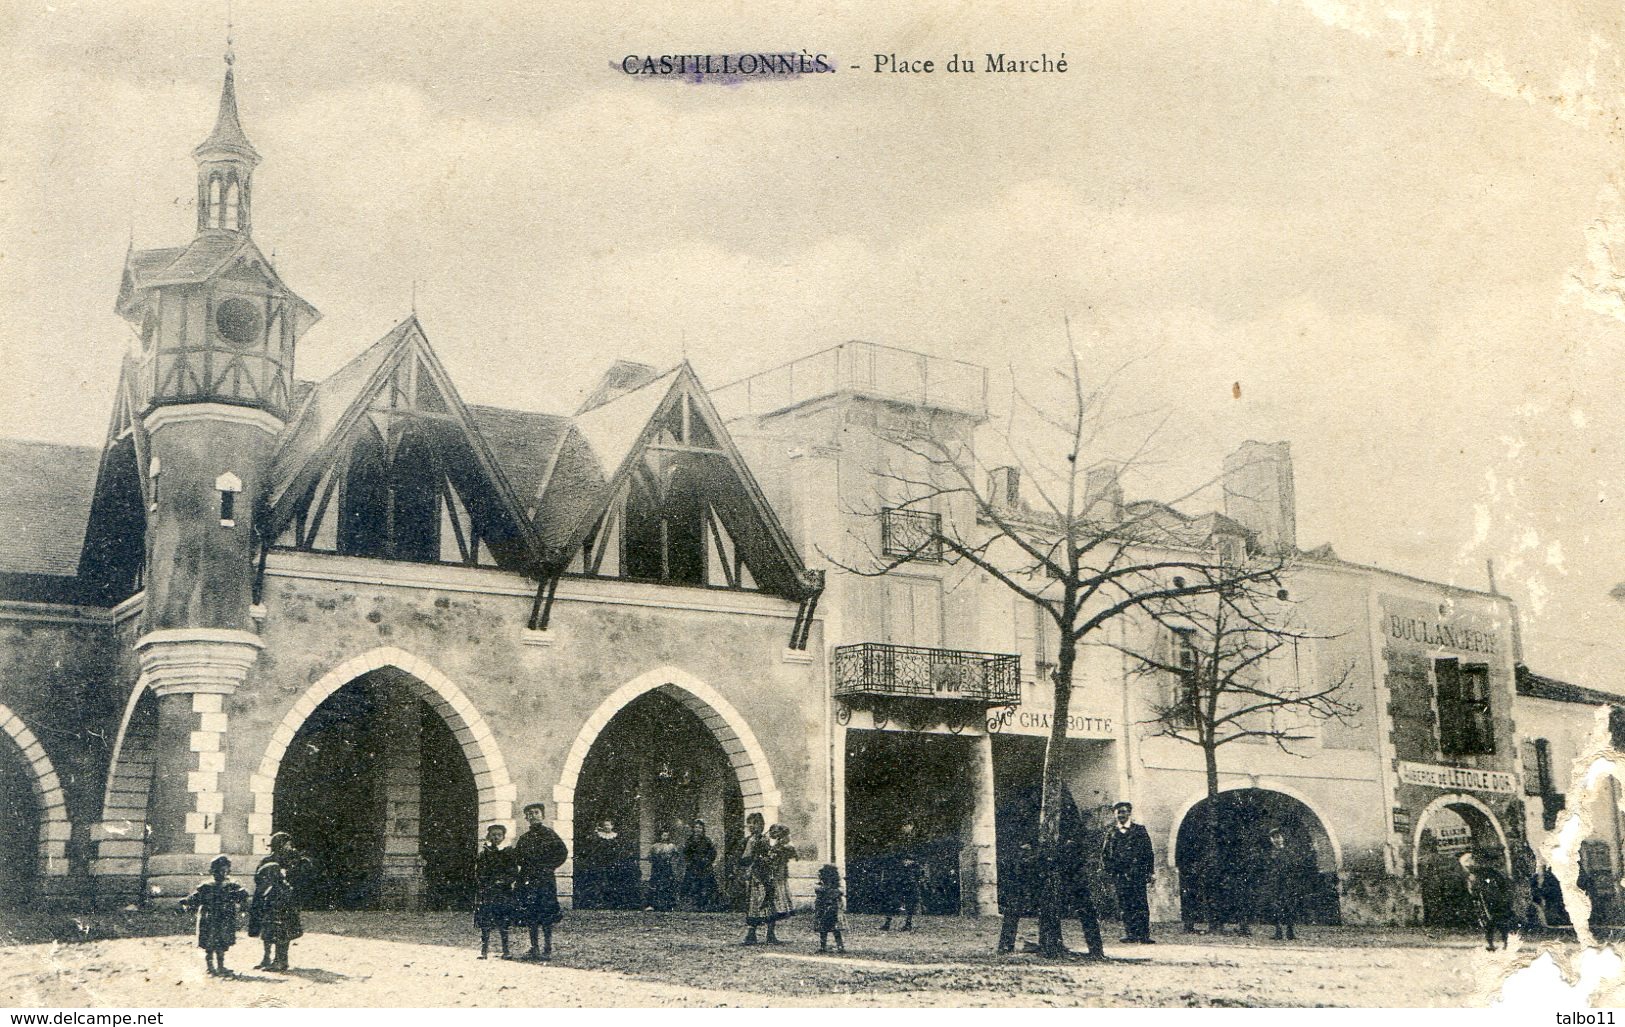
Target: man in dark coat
{"points": [[1018, 895], [1129, 860], [1283, 883], [1491, 896], [905, 877], [1075, 858], [539, 853], [699, 859]]}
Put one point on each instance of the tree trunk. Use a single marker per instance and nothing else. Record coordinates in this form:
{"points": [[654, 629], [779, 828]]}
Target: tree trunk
{"points": [[1052, 894], [1210, 872]]}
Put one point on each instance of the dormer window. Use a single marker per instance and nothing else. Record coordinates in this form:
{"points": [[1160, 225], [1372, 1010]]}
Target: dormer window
{"points": [[228, 485]]}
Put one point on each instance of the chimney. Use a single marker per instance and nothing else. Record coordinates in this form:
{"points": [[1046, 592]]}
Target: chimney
{"points": [[1259, 494], [1103, 493], [1004, 487]]}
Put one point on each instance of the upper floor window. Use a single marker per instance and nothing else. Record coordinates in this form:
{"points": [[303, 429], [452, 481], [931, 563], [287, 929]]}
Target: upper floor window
{"points": [[390, 508], [664, 537], [1537, 766], [1466, 726], [915, 534], [1187, 695]]}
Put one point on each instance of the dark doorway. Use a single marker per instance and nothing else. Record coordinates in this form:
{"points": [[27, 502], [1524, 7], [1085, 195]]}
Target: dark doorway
{"points": [[19, 829], [1221, 867], [334, 791], [654, 767], [1448, 832], [1018, 779], [893, 776]]}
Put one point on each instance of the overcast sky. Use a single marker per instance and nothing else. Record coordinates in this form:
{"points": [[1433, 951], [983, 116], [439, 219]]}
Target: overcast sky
{"points": [[1393, 223]]}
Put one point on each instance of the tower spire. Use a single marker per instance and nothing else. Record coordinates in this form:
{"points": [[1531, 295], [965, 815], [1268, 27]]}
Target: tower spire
{"points": [[226, 159]]}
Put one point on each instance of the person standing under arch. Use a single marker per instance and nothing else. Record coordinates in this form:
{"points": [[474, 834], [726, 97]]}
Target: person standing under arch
{"points": [[754, 869], [539, 853], [699, 854]]}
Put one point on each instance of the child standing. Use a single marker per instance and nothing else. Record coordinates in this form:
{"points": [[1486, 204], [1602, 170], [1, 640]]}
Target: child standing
{"points": [[215, 902], [776, 869], [829, 912], [495, 873]]}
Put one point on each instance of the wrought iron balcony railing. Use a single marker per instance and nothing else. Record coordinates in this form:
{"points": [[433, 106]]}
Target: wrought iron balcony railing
{"points": [[914, 533], [877, 669]]}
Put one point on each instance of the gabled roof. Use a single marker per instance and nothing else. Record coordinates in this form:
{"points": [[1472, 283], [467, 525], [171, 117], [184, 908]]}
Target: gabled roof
{"points": [[44, 505], [208, 255], [607, 442], [335, 406]]}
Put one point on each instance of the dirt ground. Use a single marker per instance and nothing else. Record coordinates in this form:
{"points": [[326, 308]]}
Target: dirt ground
{"points": [[648, 959]]}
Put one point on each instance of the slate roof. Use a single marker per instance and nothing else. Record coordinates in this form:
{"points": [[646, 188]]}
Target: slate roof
{"points": [[525, 444], [228, 131], [1538, 686], [44, 505]]}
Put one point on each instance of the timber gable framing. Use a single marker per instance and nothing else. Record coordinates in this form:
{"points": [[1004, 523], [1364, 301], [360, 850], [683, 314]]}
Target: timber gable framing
{"points": [[586, 545], [409, 384]]}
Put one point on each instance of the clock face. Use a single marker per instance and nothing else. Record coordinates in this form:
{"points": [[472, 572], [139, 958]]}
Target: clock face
{"points": [[238, 321]]}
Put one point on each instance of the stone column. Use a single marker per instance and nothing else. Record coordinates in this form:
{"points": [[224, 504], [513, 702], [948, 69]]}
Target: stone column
{"points": [[979, 864], [402, 780], [191, 671]]}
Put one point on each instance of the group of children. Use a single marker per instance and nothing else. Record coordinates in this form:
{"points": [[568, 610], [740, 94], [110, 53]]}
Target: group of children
{"points": [[764, 860], [513, 886], [273, 911]]}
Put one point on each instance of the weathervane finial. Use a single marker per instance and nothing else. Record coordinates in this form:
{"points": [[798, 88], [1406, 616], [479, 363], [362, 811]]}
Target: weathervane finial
{"points": [[231, 55]]}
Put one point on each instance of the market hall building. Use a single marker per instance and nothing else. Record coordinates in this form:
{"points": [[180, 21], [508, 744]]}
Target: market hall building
{"points": [[369, 614]]}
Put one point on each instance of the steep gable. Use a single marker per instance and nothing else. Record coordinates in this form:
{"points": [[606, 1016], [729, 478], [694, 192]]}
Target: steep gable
{"points": [[396, 407], [661, 443]]}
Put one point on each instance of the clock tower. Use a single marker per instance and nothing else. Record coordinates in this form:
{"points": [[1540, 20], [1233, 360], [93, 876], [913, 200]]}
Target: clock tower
{"points": [[210, 382]]}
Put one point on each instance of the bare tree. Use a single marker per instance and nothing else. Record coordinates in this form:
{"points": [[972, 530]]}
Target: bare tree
{"points": [[1226, 652], [1074, 553]]}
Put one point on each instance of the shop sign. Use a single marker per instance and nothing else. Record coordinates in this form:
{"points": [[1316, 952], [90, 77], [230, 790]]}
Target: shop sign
{"points": [[1078, 725], [1430, 776], [1438, 627]]}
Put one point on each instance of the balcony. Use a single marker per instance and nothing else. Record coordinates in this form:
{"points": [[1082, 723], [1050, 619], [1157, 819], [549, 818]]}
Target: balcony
{"points": [[876, 670], [862, 369], [912, 533]]}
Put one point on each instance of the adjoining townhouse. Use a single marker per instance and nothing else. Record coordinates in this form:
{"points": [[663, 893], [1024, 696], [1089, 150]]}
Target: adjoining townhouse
{"points": [[367, 613], [1575, 816], [947, 672]]}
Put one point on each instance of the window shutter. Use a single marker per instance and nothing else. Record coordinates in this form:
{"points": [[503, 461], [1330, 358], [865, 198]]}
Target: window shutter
{"points": [[1447, 681]]}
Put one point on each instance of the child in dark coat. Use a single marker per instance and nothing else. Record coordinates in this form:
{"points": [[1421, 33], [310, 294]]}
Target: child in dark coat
{"points": [[215, 902], [829, 908], [496, 870]]}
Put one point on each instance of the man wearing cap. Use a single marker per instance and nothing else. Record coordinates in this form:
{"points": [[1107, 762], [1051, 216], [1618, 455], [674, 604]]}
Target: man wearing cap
{"points": [[1127, 857]]}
